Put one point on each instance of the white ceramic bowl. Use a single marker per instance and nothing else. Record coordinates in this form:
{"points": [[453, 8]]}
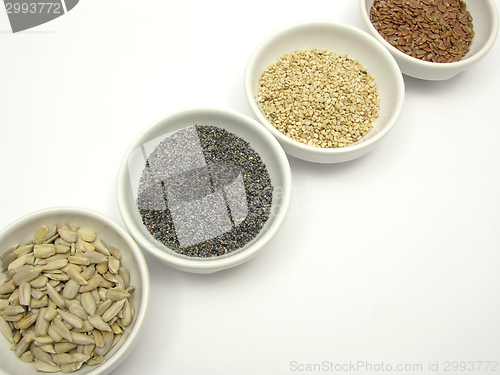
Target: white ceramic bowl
{"points": [[485, 21], [111, 233], [341, 39], [260, 140]]}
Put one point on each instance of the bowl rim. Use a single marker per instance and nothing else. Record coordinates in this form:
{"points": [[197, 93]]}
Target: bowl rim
{"points": [[458, 65], [204, 265], [122, 353], [302, 147]]}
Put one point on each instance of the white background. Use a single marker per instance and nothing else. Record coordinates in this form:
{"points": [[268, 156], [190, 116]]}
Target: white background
{"points": [[392, 258]]}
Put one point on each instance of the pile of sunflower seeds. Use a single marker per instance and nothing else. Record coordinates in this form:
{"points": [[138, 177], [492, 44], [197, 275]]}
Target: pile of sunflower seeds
{"points": [[64, 300], [319, 98], [431, 30]]}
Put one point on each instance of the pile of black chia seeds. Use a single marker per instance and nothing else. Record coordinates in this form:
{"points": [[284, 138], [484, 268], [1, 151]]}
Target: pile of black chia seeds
{"points": [[204, 192]]}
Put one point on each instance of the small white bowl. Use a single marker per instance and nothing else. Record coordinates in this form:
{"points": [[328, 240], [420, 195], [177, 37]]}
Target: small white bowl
{"points": [[485, 20], [133, 260], [341, 39], [260, 140]]}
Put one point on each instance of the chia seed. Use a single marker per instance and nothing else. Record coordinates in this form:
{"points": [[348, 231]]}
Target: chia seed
{"points": [[204, 192]]}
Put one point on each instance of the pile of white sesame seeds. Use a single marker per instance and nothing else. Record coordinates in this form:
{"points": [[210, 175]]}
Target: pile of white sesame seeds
{"points": [[319, 98]]}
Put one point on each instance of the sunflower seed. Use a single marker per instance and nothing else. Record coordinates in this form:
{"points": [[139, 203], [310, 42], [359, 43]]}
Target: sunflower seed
{"points": [[61, 329], [39, 282], [62, 249], [26, 274], [64, 347], [4, 303], [8, 277], [87, 350], [13, 347], [55, 296], [95, 294], [50, 313], [7, 261], [113, 265], [7, 288], [71, 367], [22, 346], [93, 283], [116, 328], [13, 318], [36, 304], [102, 268], [57, 276], [53, 258], [61, 241], [73, 320], [105, 284], [95, 257], [86, 235], [110, 277], [80, 260], [13, 310], [86, 327], [55, 265], [99, 340], [115, 252], [19, 262], [78, 310], [116, 294], [25, 249], [88, 272], [88, 303], [17, 336], [119, 282], [54, 335], [42, 366], [5, 329], [36, 293], [71, 289], [44, 251], [81, 338], [103, 306], [27, 357], [63, 359], [14, 297], [67, 235], [74, 273], [41, 233], [43, 340], [25, 294], [9, 251], [28, 320], [81, 357], [30, 259], [125, 275], [99, 323], [113, 310], [102, 292], [100, 247], [127, 314], [40, 355], [52, 234], [41, 325], [48, 348]]}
